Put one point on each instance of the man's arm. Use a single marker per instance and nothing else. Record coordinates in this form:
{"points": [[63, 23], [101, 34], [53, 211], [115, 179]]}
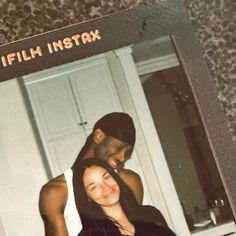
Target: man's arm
{"points": [[134, 182], [52, 202]]}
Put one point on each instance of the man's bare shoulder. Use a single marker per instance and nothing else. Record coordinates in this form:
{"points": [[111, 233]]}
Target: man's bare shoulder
{"points": [[55, 185], [133, 180], [130, 174], [53, 195]]}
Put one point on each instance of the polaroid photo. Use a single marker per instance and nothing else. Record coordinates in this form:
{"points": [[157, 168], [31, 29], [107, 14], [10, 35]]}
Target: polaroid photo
{"points": [[144, 62]]}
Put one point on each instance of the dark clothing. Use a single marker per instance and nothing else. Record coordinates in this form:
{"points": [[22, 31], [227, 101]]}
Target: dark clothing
{"points": [[150, 214], [141, 229], [149, 229], [149, 222]]}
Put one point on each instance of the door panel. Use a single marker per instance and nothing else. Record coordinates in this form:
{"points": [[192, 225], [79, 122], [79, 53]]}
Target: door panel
{"points": [[54, 106], [94, 92]]}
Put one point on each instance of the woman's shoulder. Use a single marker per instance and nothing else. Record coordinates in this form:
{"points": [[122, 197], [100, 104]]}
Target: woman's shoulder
{"points": [[153, 215], [150, 229], [99, 228]]}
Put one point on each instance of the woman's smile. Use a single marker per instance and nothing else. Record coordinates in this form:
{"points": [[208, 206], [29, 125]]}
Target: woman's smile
{"points": [[100, 186]]}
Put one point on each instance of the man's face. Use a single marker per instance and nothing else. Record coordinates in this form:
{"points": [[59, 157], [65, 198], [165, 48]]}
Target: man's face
{"points": [[114, 151]]}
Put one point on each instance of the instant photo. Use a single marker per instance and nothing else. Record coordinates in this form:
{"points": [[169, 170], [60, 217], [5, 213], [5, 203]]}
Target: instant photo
{"points": [[144, 62]]}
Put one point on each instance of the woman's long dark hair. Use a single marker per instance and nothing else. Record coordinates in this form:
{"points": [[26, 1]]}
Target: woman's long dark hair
{"points": [[76, 168], [91, 213]]}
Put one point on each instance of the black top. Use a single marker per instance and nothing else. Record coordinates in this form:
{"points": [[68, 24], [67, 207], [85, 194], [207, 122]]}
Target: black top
{"points": [[149, 222], [141, 229], [149, 229]]}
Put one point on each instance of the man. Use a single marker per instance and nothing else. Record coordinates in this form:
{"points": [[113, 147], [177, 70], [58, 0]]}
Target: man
{"points": [[112, 140]]}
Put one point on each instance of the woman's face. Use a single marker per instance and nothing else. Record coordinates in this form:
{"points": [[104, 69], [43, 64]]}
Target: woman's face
{"points": [[100, 186]]}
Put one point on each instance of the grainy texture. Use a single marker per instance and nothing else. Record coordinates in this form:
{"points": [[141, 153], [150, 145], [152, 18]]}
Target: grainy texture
{"points": [[214, 22]]}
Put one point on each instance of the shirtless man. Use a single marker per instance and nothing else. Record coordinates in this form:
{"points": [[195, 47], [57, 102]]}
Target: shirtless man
{"points": [[112, 140]]}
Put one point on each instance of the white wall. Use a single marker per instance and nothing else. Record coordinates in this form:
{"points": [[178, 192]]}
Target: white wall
{"points": [[21, 171]]}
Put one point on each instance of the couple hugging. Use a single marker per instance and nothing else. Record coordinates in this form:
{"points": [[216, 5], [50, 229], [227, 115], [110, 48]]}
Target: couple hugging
{"points": [[97, 196]]}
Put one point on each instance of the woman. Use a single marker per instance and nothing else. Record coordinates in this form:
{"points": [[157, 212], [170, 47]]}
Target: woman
{"points": [[108, 207]]}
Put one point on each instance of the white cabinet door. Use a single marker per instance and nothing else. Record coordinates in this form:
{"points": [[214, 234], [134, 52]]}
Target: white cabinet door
{"points": [[94, 92], [64, 150], [54, 107]]}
